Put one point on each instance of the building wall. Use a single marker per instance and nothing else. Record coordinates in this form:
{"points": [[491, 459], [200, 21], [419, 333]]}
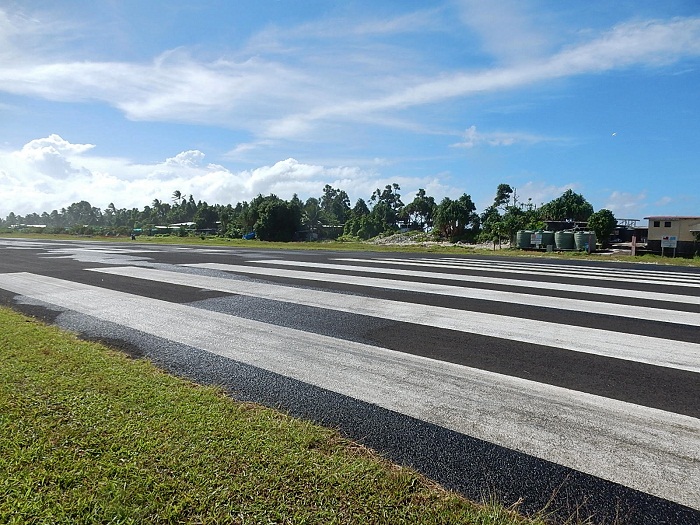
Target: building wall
{"points": [[680, 227], [687, 244], [683, 248]]}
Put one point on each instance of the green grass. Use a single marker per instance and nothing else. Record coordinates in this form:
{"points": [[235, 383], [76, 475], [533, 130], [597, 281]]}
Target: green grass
{"points": [[88, 435]]}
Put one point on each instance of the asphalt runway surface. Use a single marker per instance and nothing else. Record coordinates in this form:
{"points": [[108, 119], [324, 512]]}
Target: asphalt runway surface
{"points": [[567, 385]]}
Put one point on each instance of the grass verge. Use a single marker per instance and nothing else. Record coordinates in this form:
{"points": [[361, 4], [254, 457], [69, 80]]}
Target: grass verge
{"points": [[88, 435]]}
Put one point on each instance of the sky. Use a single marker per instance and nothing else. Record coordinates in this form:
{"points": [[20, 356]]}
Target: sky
{"points": [[128, 101]]}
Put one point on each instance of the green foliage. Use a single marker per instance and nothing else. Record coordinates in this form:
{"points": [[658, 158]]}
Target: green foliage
{"points": [[360, 209], [456, 219], [503, 193], [318, 218], [336, 205], [418, 214], [603, 223], [312, 218], [492, 226], [516, 218], [387, 205], [364, 227], [569, 207], [278, 220], [83, 214], [206, 217]]}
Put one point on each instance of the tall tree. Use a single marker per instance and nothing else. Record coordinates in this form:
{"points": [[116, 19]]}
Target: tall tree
{"points": [[387, 204], [311, 217], [360, 209], [206, 217], [454, 218], [570, 206], [278, 220], [603, 223], [419, 212], [503, 193], [82, 214], [335, 203], [492, 226]]}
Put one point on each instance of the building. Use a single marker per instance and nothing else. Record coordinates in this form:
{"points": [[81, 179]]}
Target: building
{"points": [[626, 229], [684, 232]]}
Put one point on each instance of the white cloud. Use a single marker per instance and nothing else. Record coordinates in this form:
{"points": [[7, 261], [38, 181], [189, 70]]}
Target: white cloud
{"points": [[51, 156], [52, 145], [52, 173], [473, 138], [540, 192], [624, 204], [663, 201], [187, 159], [508, 31], [287, 94], [648, 43]]}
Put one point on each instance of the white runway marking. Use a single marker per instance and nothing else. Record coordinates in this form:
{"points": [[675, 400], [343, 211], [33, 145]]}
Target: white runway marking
{"points": [[542, 301], [660, 352], [646, 449], [582, 273], [535, 267], [572, 288]]}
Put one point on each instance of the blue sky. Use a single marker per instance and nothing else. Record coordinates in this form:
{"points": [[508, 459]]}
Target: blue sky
{"points": [[128, 101]]}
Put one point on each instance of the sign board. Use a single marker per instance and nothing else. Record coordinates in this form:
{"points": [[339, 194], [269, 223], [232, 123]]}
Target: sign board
{"points": [[536, 238], [669, 241]]}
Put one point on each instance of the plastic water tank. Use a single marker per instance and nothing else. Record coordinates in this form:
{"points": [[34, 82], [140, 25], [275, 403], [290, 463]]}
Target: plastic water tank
{"points": [[522, 238], [564, 240], [585, 239]]}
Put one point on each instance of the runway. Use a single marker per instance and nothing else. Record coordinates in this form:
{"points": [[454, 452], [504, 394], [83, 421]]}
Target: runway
{"points": [[563, 383]]}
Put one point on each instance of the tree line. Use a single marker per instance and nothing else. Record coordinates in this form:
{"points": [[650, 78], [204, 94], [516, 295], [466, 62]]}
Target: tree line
{"points": [[330, 216]]}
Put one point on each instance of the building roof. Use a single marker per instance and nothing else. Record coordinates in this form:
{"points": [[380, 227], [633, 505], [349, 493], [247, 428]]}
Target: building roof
{"points": [[671, 217]]}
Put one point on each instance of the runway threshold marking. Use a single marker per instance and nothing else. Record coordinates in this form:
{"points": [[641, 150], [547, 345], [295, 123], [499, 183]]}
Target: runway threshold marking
{"points": [[534, 267], [632, 347], [542, 301], [520, 283], [581, 273], [646, 449]]}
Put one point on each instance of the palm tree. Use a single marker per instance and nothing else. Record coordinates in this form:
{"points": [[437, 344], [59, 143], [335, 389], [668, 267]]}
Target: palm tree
{"points": [[158, 211], [312, 216]]}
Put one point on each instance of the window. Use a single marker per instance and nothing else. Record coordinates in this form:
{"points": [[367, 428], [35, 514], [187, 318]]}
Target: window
{"points": [[657, 224], [667, 224]]}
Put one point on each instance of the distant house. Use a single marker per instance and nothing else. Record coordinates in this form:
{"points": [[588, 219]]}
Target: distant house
{"points": [[665, 228]]}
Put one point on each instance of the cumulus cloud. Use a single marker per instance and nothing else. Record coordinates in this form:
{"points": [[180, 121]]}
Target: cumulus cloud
{"points": [[51, 156], [186, 159], [52, 173]]}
